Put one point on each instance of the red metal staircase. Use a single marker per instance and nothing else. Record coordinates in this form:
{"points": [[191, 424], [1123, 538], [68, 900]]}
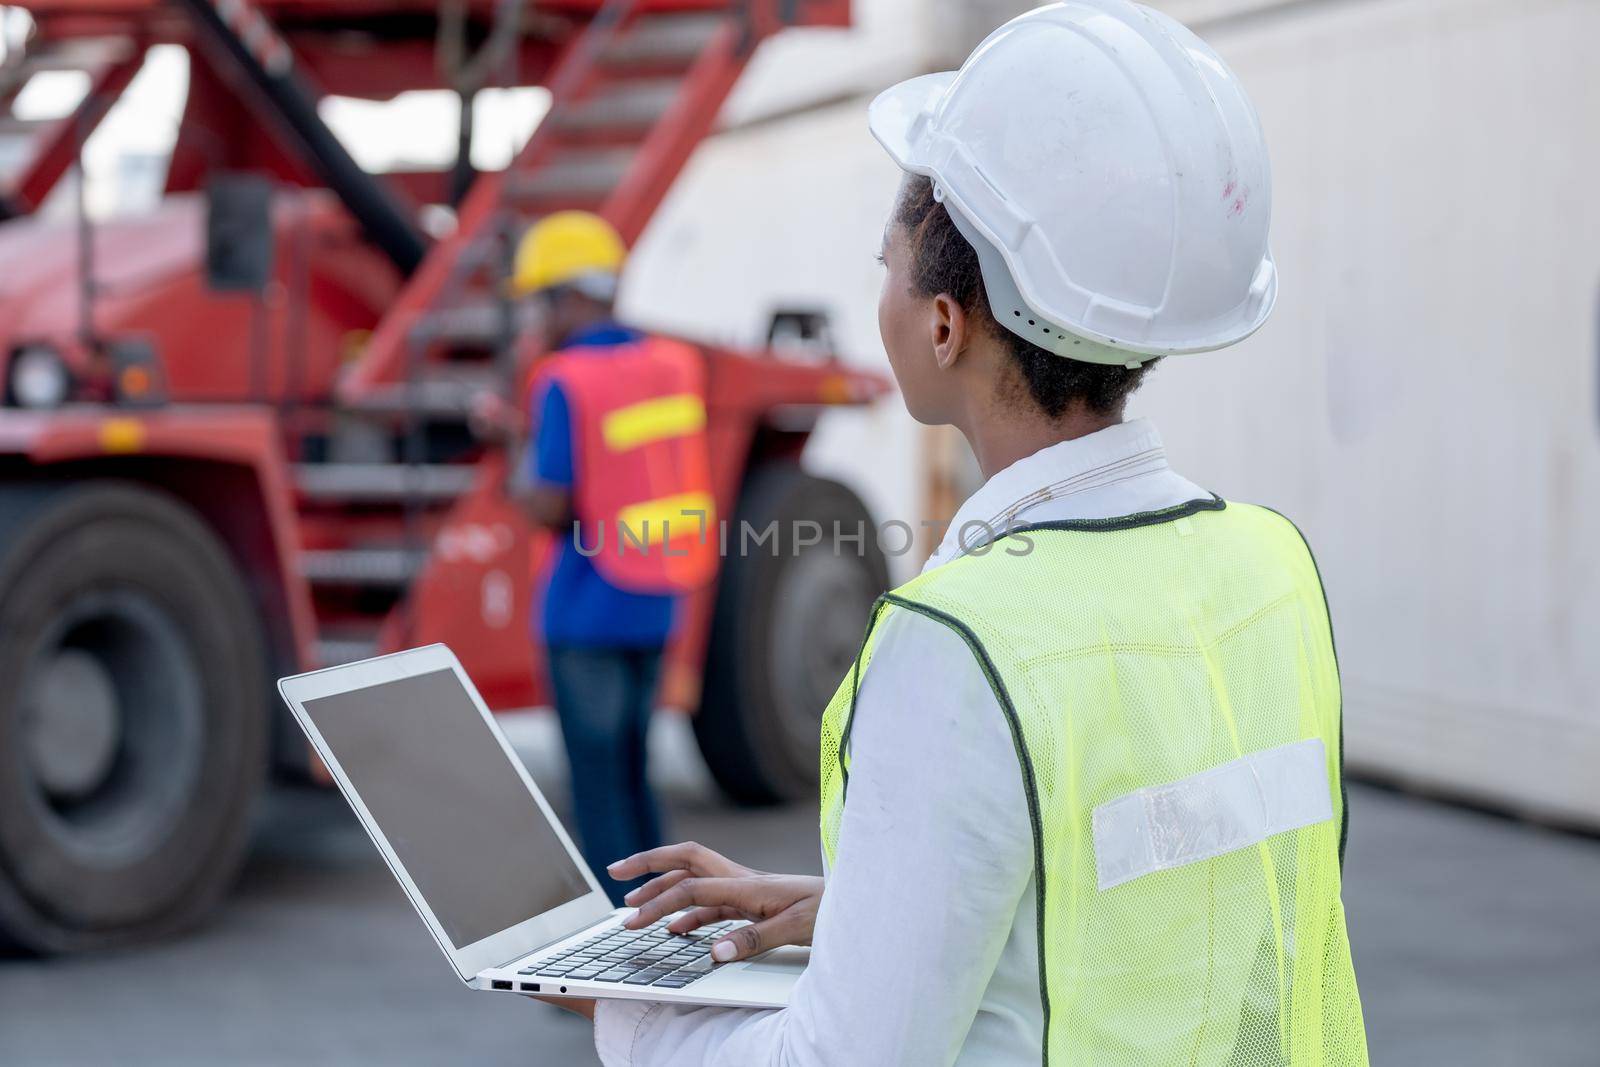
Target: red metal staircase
{"points": [[632, 93]]}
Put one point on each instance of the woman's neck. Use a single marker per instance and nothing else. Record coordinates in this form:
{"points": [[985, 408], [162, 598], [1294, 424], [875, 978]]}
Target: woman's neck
{"points": [[999, 442]]}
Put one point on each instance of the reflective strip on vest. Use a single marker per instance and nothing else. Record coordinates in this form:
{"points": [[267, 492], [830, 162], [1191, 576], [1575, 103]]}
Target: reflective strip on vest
{"points": [[652, 521], [653, 420], [1238, 804]]}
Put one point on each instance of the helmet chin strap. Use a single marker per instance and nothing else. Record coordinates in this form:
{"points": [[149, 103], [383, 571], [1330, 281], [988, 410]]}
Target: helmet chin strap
{"points": [[1016, 315]]}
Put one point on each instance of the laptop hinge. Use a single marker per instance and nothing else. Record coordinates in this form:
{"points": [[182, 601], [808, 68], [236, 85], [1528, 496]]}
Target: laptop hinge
{"points": [[535, 950]]}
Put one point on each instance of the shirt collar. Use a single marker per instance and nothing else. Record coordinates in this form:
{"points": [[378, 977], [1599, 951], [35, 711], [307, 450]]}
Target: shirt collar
{"points": [[1058, 470], [604, 334]]}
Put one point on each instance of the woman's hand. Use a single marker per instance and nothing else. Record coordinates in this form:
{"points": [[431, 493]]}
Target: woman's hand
{"points": [[782, 908]]}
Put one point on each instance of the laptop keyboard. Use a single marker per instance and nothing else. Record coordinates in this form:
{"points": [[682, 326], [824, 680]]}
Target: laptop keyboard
{"points": [[650, 956]]}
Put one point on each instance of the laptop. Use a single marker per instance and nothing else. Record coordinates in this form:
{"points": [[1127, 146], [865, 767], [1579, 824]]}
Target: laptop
{"points": [[476, 847]]}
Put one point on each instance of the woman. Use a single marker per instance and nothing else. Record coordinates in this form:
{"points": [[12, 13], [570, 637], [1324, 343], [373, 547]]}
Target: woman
{"points": [[1081, 793]]}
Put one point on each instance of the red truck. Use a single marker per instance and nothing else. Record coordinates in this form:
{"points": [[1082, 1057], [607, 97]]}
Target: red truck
{"points": [[236, 437]]}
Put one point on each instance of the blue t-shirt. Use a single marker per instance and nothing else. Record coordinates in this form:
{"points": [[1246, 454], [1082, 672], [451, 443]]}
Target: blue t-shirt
{"points": [[581, 609]]}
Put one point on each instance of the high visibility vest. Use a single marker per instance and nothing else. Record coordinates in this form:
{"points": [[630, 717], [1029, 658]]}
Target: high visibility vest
{"points": [[1170, 683], [642, 493]]}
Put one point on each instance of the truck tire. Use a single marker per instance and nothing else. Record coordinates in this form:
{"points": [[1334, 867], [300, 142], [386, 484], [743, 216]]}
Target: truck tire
{"points": [[789, 619], [133, 722]]}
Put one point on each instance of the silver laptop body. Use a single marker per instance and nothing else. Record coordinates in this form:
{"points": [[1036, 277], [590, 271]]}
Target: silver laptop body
{"points": [[476, 847]]}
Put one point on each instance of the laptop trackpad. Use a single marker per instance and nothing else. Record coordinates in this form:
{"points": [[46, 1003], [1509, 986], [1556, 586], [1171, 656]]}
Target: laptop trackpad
{"points": [[789, 960]]}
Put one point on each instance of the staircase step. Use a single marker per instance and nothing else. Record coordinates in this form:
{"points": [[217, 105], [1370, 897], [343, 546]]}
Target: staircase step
{"points": [[487, 250], [85, 54], [577, 175], [661, 40], [391, 568], [78, 53], [439, 397], [365, 483], [630, 106], [481, 324]]}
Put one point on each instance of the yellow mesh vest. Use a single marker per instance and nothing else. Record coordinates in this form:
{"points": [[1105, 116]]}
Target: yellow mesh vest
{"points": [[1127, 654]]}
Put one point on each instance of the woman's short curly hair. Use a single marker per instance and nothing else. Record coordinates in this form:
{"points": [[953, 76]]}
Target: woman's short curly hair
{"points": [[943, 262]]}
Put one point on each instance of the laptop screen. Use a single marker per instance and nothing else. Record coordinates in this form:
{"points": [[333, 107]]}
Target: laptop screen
{"points": [[451, 804]]}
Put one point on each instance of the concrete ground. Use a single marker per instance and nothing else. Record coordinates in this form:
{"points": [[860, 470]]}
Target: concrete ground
{"points": [[1476, 940]]}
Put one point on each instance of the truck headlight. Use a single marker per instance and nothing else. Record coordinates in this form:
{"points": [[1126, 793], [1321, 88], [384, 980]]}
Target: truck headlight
{"points": [[38, 378]]}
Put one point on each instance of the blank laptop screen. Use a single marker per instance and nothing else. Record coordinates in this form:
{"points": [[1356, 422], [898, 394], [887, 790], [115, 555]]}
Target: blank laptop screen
{"points": [[453, 807]]}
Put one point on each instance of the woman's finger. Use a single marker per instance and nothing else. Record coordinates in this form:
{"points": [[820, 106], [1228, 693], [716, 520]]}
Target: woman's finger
{"points": [[790, 918], [693, 920], [758, 937], [655, 887], [741, 894], [689, 855]]}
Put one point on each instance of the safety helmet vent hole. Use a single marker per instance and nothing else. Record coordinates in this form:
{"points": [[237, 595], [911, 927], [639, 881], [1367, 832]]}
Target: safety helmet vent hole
{"points": [[1032, 323]]}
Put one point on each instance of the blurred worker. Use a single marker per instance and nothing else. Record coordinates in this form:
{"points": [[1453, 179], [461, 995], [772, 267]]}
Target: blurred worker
{"points": [[617, 469], [1081, 798]]}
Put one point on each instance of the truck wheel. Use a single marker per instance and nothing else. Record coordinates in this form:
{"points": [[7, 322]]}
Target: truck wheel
{"points": [[788, 622], [133, 723]]}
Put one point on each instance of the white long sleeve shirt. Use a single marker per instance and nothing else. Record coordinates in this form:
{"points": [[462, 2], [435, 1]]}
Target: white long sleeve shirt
{"points": [[925, 950]]}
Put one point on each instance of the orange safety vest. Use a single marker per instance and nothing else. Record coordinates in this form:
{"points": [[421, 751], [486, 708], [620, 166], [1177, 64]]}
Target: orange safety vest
{"points": [[642, 492]]}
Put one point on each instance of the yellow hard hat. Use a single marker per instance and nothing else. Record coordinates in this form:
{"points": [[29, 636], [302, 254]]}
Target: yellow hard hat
{"points": [[562, 248]]}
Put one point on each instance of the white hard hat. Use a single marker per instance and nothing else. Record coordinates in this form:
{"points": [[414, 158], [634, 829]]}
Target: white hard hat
{"points": [[1111, 173]]}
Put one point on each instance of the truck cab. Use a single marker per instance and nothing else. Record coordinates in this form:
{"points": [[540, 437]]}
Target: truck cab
{"points": [[236, 432]]}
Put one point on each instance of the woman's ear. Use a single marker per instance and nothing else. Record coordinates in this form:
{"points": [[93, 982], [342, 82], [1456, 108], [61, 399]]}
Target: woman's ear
{"points": [[947, 323]]}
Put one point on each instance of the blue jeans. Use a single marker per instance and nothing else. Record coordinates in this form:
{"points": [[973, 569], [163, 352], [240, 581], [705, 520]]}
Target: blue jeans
{"points": [[603, 699]]}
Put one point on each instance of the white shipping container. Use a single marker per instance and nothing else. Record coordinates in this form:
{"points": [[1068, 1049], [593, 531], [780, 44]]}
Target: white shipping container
{"points": [[1423, 403]]}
